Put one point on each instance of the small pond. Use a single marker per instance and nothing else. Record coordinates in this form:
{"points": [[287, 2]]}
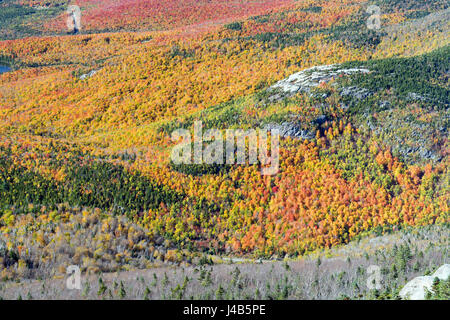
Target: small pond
{"points": [[4, 69]]}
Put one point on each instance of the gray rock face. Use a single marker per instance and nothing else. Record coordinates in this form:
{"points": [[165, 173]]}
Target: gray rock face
{"points": [[305, 80], [415, 96], [88, 75], [443, 272], [415, 289], [288, 129], [356, 92]]}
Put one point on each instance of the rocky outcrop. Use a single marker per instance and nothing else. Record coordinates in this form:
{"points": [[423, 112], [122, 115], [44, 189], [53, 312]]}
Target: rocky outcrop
{"points": [[288, 129], [416, 288], [356, 92], [305, 80], [88, 75]]}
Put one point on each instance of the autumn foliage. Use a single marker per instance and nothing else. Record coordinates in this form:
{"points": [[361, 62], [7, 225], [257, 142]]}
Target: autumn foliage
{"points": [[85, 120]]}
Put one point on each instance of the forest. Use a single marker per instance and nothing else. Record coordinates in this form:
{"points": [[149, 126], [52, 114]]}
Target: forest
{"points": [[86, 123]]}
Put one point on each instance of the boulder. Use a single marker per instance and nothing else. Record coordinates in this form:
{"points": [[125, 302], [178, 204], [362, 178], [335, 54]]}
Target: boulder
{"points": [[443, 272], [415, 289]]}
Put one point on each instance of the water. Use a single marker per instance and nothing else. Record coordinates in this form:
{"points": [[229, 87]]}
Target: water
{"points": [[4, 69]]}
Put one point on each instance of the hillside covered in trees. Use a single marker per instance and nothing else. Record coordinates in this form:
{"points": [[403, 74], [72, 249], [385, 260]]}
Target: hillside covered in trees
{"points": [[86, 121]]}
